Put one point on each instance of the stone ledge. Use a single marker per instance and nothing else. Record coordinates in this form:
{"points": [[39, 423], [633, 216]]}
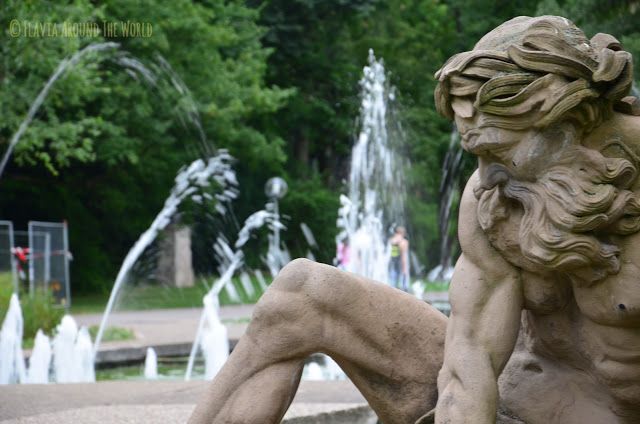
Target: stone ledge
{"points": [[301, 413], [44, 403], [116, 356]]}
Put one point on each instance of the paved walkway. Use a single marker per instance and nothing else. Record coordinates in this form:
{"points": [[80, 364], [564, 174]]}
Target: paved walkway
{"points": [[157, 402], [172, 331], [167, 326]]}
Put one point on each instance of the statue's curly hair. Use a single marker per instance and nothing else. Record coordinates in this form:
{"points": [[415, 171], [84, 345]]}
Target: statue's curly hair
{"points": [[531, 73], [540, 70]]}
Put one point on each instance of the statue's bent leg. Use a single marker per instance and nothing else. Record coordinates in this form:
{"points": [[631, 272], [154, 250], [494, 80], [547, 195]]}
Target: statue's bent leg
{"points": [[388, 343]]}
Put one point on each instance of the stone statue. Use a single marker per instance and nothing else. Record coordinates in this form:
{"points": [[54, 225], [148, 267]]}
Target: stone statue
{"points": [[545, 320]]}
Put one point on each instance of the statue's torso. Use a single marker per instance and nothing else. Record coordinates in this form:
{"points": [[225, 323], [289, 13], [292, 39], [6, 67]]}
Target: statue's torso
{"points": [[593, 328], [586, 327]]}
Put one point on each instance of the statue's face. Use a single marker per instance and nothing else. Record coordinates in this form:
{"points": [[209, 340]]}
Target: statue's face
{"points": [[523, 152]]}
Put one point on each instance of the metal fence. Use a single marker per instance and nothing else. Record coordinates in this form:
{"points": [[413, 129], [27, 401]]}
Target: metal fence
{"points": [[49, 259], [38, 259], [7, 245]]}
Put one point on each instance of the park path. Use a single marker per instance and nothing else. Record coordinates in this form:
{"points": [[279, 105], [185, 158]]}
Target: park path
{"points": [[156, 327]]}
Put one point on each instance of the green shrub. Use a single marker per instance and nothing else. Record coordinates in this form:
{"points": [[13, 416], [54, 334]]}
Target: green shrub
{"points": [[38, 311]]}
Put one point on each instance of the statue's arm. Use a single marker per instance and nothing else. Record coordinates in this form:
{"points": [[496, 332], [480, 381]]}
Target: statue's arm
{"points": [[486, 302]]}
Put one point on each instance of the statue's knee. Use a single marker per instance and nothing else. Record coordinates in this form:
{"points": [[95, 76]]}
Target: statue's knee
{"points": [[280, 303], [287, 307], [317, 286], [295, 275]]}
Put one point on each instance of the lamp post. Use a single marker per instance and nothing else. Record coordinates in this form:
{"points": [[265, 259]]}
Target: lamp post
{"points": [[275, 189]]}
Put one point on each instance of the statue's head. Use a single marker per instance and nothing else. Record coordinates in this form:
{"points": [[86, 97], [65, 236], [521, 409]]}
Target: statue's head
{"points": [[524, 100]]}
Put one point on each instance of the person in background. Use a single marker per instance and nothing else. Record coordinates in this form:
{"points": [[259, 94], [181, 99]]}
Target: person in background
{"points": [[342, 255], [399, 263]]}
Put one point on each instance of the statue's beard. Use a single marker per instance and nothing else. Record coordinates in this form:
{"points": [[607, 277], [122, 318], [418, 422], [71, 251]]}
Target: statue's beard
{"points": [[568, 212]]}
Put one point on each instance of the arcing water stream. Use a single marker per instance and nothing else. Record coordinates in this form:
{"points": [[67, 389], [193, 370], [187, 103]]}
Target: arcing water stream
{"points": [[35, 106], [189, 181]]}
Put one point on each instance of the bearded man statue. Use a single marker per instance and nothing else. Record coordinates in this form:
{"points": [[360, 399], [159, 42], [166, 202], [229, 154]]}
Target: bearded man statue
{"points": [[545, 298]]}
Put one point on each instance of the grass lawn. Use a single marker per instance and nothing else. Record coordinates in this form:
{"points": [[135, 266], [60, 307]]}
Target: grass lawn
{"points": [[165, 297], [151, 297], [161, 297]]}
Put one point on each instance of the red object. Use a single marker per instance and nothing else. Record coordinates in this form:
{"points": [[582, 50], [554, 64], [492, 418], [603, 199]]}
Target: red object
{"points": [[21, 253]]}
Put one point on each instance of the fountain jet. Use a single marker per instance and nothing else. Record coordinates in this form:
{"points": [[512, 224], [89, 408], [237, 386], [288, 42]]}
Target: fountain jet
{"points": [[376, 181]]}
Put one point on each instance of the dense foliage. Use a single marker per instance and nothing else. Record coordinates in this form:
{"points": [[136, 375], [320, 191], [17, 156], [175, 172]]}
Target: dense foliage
{"points": [[273, 81], [38, 311], [105, 147]]}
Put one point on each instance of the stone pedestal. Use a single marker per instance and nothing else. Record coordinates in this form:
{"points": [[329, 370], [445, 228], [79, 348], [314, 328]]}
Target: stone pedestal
{"points": [[174, 261]]}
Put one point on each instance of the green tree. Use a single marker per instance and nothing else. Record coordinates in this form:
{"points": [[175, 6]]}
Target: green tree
{"points": [[618, 17], [105, 147]]}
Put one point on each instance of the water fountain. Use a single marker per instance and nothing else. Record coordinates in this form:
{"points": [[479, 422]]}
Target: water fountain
{"points": [[188, 182], [311, 240], [376, 181], [247, 285], [332, 369], [208, 317], [71, 350], [72, 353], [12, 367], [69, 342], [151, 364], [40, 360], [214, 341]]}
